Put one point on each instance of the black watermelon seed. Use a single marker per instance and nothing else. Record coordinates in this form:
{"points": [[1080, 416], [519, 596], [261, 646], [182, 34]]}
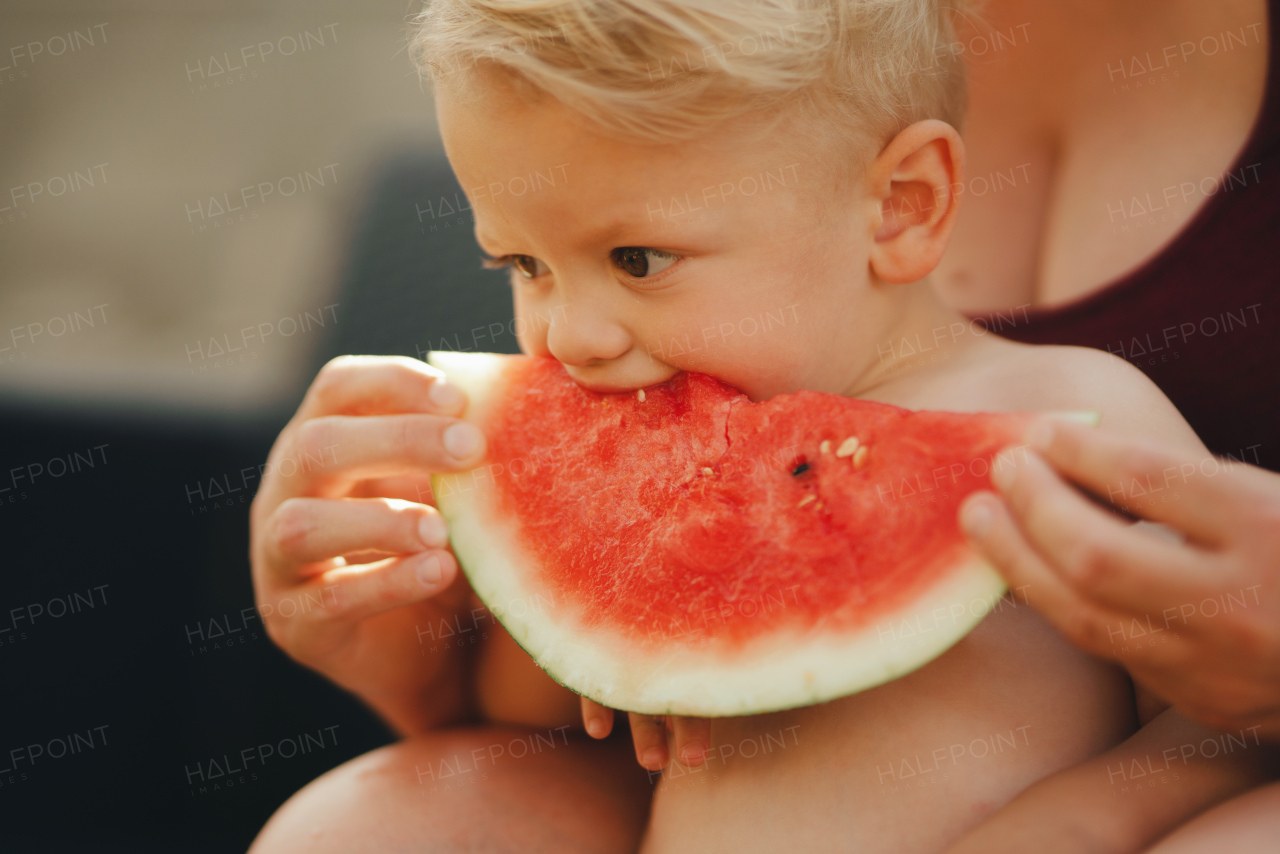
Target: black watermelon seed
{"points": [[800, 469]]}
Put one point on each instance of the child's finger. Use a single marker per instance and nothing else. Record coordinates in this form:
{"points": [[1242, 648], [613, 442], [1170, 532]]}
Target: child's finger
{"points": [[356, 593], [597, 719], [307, 530], [649, 735], [336, 451], [410, 487], [693, 740], [367, 385]]}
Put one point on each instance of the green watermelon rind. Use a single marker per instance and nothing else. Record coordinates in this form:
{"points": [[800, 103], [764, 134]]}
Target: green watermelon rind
{"points": [[779, 670]]}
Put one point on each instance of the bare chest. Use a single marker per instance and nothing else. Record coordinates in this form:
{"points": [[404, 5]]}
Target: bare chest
{"points": [[907, 766], [1095, 139]]}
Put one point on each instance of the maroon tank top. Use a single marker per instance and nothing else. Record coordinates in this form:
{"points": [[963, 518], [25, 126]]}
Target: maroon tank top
{"points": [[1201, 318]]}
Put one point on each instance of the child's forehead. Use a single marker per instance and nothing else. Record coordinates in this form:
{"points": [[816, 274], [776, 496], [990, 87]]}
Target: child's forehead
{"points": [[587, 224], [518, 160], [492, 127]]}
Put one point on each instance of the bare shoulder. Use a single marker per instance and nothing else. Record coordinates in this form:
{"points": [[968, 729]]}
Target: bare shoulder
{"points": [[1001, 375], [1049, 378]]}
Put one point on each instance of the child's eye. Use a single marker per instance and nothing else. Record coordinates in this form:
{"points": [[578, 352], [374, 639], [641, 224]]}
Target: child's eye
{"points": [[639, 262], [526, 265]]}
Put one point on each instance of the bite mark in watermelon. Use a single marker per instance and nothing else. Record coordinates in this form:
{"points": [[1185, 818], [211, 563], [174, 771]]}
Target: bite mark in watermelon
{"points": [[682, 550]]}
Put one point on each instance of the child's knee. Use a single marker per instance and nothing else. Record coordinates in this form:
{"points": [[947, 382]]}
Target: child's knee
{"points": [[485, 787]]}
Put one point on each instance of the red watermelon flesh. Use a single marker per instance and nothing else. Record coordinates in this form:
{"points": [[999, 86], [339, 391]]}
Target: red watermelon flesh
{"points": [[686, 551]]}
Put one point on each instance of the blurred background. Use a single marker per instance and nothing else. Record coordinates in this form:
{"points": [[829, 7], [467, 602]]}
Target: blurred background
{"points": [[200, 203]]}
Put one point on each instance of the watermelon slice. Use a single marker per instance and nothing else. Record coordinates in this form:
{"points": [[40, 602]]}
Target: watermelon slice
{"points": [[682, 550]]}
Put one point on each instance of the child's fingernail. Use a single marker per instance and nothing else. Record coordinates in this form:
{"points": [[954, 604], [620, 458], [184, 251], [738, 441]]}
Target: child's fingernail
{"points": [[1040, 435], [432, 531], [595, 728], [652, 759], [976, 519], [443, 395], [692, 755], [461, 440], [430, 571]]}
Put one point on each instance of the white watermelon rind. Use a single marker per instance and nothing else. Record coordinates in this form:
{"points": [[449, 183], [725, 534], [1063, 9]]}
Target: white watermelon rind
{"points": [[778, 671]]}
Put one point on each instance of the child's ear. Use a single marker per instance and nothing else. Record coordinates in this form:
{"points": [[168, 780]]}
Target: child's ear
{"points": [[913, 180]]}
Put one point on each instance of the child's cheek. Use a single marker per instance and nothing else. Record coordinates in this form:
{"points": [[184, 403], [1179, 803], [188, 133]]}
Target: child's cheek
{"points": [[529, 326], [531, 343]]}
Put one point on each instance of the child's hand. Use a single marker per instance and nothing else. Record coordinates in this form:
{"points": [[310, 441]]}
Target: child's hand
{"points": [[346, 554], [650, 735]]}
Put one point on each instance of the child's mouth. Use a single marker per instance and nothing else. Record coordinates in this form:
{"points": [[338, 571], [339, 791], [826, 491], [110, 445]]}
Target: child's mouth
{"points": [[609, 380]]}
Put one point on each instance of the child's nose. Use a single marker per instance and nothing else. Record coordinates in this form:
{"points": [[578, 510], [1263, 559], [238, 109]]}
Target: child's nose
{"points": [[585, 334]]}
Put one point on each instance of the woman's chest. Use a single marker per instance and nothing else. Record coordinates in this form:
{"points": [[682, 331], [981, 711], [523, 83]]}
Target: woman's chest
{"points": [[1093, 144]]}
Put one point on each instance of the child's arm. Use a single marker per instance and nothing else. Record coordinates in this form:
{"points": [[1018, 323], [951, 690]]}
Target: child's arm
{"points": [[1127, 798]]}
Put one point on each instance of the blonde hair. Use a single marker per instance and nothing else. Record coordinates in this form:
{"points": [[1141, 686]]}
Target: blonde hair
{"points": [[668, 69]]}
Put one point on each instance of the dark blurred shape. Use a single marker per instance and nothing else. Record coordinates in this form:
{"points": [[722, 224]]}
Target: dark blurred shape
{"points": [[414, 280], [166, 682]]}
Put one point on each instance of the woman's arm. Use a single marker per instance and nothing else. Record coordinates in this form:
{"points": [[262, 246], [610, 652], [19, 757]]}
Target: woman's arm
{"points": [[1130, 796]]}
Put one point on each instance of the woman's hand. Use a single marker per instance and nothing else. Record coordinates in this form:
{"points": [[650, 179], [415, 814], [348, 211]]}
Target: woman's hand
{"points": [[651, 734], [348, 558], [1197, 622]]}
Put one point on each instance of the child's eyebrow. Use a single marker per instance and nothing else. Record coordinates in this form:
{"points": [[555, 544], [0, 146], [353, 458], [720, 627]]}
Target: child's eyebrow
{"points": [[606, 232], [640, 230], [609, 232], [595, 235]]}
